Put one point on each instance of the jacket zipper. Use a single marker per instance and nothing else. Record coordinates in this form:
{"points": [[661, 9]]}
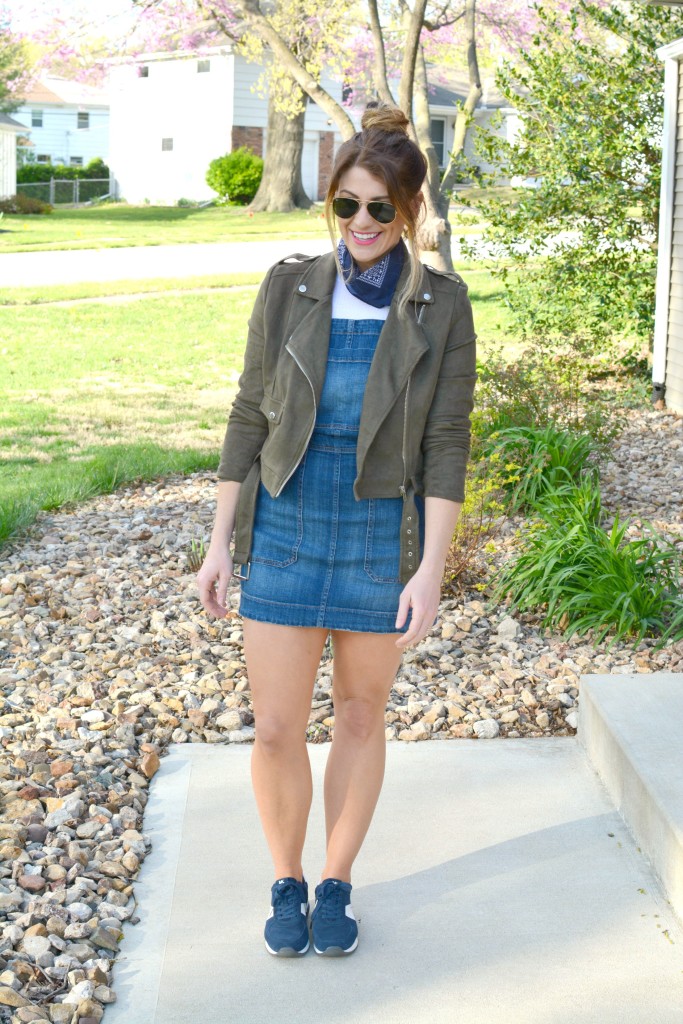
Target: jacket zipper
{"points": [[310, 433], [402, 488]]}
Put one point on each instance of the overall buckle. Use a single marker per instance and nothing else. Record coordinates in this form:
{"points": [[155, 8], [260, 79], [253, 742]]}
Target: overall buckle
{"points": [[238, 572]]}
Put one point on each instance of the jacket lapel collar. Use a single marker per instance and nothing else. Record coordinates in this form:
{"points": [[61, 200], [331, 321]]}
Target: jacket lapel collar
{"points": [[308, 330]]}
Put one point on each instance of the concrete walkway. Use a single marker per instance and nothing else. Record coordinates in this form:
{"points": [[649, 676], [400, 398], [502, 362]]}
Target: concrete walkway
{"points": [[497, 884]]}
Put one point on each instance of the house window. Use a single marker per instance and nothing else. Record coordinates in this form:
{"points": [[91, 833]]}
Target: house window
{"points": [[143, 71], [76, 161], [43, 158], [36, 119], [437, 130], [166, 145], [203, 65], [83, 119]]}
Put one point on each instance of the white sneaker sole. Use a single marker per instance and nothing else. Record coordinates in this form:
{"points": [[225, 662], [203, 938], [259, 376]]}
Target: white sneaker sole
{"points": [[336, 950]]}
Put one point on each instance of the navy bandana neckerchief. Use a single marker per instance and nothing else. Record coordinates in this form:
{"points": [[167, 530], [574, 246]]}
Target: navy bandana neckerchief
{"points": [[377, 284]]}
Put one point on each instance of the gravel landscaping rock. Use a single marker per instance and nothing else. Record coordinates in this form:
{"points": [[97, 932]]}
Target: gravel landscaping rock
{"points": [[106, 657]]}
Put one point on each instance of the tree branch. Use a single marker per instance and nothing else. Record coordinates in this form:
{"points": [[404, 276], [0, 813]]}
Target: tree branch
{"points": [[260, 24], [379, 65], [412, 42], [473, 97]]}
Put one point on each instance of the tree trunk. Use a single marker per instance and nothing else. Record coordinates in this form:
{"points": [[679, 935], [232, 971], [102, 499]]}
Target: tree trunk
{"points": [[464, 116], [281, 188], [435, 233]]}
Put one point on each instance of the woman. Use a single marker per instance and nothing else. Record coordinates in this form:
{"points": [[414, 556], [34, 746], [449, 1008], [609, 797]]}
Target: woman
{"points": [[342, 476]]}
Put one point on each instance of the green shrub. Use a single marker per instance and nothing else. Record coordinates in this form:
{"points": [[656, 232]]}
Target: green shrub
{"points": [[236, 176], [24, 204], [28, 173], [544, 386], [538, 460], [587, 578]]}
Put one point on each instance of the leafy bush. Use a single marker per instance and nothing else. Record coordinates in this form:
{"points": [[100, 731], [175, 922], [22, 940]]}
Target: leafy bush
{"points": [[28, 173], [540, 388], [24, 204], [539, 459], [588, 90], [236, 176], [588, 578]]}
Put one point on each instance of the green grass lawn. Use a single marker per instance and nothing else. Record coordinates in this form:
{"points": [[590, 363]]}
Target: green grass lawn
{"points": [[114, 225], [101, 393]]}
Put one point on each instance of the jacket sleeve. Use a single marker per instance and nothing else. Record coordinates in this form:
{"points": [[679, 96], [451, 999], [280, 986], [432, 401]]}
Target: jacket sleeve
{"points": [[446, 440], [247, 427]]}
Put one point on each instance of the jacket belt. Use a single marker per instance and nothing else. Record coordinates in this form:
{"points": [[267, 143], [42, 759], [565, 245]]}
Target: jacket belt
{"points": [[410, 535]]}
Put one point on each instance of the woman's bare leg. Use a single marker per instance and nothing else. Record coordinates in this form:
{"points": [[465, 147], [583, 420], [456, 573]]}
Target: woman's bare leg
{"points": [[282, 662], [365, 665]]}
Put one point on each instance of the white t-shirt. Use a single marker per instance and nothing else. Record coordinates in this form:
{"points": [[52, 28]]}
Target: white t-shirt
{"points": [[346, 306]]}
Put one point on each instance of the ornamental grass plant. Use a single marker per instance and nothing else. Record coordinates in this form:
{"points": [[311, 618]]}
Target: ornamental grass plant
{"points": [[538, 460], [586, 577]]}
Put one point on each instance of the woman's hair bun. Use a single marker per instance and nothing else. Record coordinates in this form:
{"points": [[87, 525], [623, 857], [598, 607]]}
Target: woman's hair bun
{"points": [[383, 118]]}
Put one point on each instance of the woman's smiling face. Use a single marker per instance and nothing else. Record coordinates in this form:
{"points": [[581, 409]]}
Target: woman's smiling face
{"points": [[366, 239]]}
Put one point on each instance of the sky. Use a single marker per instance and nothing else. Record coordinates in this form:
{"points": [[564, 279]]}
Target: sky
{"points": [[23, 14]]}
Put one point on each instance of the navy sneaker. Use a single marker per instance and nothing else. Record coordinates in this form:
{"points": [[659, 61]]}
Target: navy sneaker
{"points": [[286, 931], [333, 925]]}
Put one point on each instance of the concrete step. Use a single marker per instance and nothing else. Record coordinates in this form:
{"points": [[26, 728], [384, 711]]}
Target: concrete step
{"points": [[632, 729]]}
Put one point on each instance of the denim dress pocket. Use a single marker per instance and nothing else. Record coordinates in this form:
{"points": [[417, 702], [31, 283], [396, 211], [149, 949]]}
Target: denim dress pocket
{"points": [[279, 523], [382, 542]]}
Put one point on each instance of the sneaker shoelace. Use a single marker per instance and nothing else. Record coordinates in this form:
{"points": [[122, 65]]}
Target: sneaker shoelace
{"points": [[332, 902], [287, 903]]}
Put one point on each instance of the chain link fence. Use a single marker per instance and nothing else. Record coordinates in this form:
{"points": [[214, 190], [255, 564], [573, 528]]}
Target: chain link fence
{"points": [[72, 192]]}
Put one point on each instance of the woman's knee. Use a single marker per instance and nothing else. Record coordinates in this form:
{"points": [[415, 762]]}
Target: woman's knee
{"points": [[278, 734], [358, 717]]}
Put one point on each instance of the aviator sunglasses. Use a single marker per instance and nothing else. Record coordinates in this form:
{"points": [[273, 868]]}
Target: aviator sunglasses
{"points": [[345, 208]]}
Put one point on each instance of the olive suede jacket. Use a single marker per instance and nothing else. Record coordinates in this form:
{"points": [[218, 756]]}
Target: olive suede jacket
{"points": [[414, 435]]}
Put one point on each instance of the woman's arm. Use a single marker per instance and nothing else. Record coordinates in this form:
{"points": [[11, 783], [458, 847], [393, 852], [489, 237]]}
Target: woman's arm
{"points": [[422, 592], [214, 576]]}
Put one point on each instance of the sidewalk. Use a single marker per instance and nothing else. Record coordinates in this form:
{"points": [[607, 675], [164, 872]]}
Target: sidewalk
{"points": [[139, 262], [497, 884]]}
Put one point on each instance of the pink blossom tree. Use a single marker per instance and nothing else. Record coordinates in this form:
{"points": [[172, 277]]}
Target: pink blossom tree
{"points": [[368, 44]]}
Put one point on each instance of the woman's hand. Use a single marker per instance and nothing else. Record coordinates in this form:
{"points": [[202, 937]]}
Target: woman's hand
{"points": [[213, 579], [421, 594]]}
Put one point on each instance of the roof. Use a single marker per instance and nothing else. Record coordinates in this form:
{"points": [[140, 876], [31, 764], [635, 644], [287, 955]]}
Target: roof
{"points": [[51, 89], [8, 122], [448, 87]]}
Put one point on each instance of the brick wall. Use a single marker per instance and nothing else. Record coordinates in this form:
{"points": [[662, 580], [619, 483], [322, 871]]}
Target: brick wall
{"points": [[252, 138], [325, 159]]}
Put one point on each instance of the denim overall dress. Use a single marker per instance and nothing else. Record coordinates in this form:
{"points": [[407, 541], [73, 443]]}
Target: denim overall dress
{"points": [[319, 556]]}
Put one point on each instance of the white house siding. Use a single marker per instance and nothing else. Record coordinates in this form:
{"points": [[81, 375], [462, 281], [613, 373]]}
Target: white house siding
{"points": [[674, 341], [251, 110], [201, 112], [60, 138], [8, 161], [175, 101], [667, 358]]}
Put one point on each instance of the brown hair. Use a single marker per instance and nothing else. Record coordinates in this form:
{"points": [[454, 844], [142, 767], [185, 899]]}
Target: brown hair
{"points": [[383, 149]]}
